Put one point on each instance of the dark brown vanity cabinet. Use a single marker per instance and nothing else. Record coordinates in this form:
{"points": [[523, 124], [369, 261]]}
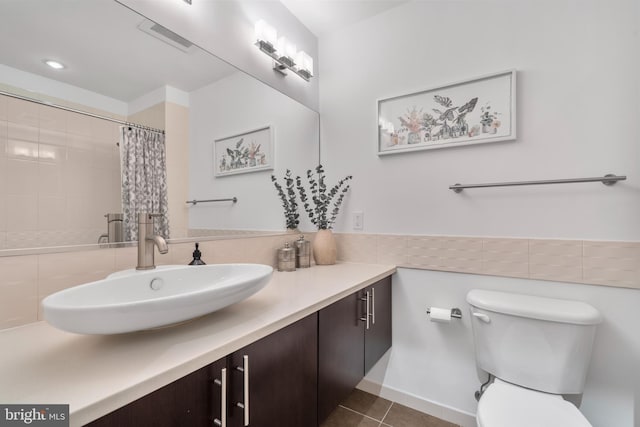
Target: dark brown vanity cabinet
{"points": [[340, 358], [272, 382], [184, 402], [294, 377], [353, 334], [377, 336], [279, 388]]}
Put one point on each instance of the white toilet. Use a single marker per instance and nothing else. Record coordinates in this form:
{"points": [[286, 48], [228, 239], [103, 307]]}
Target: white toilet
{"points": [[538, 349]]}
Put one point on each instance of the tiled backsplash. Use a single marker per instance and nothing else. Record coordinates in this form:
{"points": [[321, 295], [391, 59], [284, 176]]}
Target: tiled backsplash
{"points": [[577, 261], [26, 280]]}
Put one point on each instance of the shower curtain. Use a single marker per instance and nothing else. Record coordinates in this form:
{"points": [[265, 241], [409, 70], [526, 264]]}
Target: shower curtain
{"points": [[144, 179]]}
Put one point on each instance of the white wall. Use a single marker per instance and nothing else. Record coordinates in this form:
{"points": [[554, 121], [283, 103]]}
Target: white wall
{"points": [[231, 106], [226, 29], [578, 69], [434, 361], [43, 88]]}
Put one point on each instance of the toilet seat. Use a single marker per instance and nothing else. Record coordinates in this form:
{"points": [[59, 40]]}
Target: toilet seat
{"points": [[507, 405]]}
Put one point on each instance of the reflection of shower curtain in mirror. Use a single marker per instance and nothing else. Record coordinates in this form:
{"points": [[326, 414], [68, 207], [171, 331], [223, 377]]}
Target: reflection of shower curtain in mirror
{"points": [[144, 179]]}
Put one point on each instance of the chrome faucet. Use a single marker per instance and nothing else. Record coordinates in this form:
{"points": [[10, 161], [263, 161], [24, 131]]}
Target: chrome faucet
{"points": [[147, 242]]}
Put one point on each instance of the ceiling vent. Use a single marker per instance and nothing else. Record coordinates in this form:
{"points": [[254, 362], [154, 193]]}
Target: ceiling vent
{"points": [[166, 35]]}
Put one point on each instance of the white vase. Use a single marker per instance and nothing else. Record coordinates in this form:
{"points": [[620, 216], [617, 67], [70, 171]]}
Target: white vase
{"points": [[324, 248]]}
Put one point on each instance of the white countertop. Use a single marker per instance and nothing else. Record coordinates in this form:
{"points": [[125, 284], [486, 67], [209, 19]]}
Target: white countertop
{"points": [[98, 374]]}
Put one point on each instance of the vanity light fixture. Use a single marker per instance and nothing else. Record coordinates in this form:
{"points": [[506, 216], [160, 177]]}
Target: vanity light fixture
{"points": [[283, 51], [54, 64]]}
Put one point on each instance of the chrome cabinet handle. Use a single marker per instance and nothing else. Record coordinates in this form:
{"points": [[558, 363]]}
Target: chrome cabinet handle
{"points": [[222, 382], [373, 306], [368, 312], [245, 405]]}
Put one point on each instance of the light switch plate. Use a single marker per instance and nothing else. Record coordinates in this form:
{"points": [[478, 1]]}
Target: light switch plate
{"points": [[358, 220]]}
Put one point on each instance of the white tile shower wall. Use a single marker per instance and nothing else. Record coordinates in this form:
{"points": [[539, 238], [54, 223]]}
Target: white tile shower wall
{"points": [[59, 174], [26, 280]]}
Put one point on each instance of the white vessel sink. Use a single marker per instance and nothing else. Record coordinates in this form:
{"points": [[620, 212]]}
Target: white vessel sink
{"points": [[133, 300]]}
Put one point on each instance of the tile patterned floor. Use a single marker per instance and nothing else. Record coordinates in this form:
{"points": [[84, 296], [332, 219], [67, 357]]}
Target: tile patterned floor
{"points": [[362, 409]]}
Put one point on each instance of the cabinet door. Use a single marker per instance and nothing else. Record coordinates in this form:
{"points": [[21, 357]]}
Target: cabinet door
{"points": [[377, 339], [219, 377], [282, 378], [340, 356], [185, 402]]}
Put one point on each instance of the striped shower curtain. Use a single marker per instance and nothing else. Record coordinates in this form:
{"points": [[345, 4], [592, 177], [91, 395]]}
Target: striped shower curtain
{"points": [[144, 179]]}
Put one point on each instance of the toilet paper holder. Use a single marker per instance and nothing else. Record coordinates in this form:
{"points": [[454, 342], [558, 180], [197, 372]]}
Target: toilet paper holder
{"points": [[455, 312]]}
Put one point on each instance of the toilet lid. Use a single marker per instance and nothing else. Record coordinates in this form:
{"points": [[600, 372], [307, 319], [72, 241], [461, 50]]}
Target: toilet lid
{"points": [[507, 405]]}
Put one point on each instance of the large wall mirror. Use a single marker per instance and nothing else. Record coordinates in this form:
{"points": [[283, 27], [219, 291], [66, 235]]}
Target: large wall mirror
{"points": [[60, 169]]}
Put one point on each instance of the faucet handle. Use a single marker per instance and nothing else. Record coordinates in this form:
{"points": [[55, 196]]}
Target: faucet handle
{"points": [[145, 217]]}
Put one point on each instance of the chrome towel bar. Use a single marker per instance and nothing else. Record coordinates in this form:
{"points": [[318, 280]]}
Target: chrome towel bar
{"points": [[608, 179], [195, 202]]}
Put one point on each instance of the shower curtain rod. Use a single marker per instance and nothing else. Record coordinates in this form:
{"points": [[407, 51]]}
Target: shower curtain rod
{"points": [[73, 110]]}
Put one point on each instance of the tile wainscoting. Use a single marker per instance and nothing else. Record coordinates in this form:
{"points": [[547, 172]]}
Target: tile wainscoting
{"points": [[607, 263], [27, 279]]}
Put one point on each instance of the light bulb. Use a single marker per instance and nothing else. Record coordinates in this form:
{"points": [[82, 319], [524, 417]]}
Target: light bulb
{"points": [[265, 33], [286, 48], [54, 64], [305, 62]]}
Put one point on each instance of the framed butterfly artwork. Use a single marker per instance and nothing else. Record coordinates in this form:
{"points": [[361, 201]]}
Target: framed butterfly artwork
{"points": [[475, 111]]}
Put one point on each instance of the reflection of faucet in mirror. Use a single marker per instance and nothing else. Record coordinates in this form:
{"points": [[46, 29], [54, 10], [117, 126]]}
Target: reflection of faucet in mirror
{"points": [[147, 241], [115, 232]]}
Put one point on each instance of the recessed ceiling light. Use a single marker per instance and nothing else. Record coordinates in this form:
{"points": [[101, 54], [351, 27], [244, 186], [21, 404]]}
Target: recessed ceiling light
{"points": [[54, 64]]}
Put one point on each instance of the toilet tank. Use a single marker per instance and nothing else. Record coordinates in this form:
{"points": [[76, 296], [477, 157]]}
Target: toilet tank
{"points": [[535, 342]]}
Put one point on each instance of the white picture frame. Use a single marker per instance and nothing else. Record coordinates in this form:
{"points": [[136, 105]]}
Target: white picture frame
{"points": [[246, 152], [475, 111]]}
